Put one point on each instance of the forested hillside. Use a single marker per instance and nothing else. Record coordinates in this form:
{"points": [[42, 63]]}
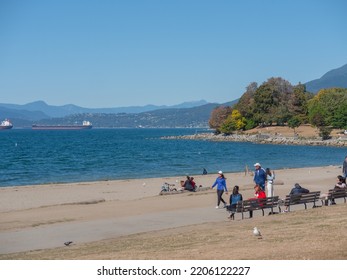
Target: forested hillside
{"points": [[277, 102]]}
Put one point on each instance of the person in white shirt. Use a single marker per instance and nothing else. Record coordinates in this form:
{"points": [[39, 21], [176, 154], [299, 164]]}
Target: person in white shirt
{"points": [[270, 177]]}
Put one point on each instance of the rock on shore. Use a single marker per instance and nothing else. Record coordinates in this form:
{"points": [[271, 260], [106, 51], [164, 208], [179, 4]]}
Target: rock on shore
{"points": [[265, 139]]}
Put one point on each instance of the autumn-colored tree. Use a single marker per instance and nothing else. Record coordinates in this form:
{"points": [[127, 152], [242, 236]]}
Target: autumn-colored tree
{"points": [[234, 121], [246, 102], [218, 116]]}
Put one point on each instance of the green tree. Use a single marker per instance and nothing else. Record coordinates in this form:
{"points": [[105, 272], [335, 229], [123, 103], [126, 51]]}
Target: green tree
{"points": [[268, 103], [324, 132], [294, 122], [298, 105], [328, 108]]}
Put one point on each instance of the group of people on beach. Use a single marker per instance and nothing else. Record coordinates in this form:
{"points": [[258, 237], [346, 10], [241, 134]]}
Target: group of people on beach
{"points": [[189, 184], [261, 179], [264, 177]]}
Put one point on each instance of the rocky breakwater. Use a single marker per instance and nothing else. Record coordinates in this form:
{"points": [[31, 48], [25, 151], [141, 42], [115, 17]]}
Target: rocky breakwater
{"points": [[265, 139]]}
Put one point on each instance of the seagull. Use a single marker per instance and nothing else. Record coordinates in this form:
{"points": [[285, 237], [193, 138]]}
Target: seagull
{"points": [[256, 232], [68, 243]]}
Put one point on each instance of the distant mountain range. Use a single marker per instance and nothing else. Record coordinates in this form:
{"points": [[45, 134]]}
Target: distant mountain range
{"points": [[334, 78], [39, 109], [188, 114]]}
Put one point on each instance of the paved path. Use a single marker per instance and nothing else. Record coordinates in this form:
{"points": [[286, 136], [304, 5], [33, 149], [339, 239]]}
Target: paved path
{"points": [[51, 236]]}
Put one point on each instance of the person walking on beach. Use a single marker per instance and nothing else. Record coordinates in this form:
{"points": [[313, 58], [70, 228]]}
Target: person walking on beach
{"points": [[344, 168], [259, 176], [270, 177], [221, 187]]}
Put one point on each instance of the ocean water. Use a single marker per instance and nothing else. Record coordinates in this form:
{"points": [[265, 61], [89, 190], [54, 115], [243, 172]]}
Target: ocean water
{"points": [[39, 157]]}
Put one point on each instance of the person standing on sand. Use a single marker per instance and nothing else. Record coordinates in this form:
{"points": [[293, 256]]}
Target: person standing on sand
{"points": [[259, 176], [344, 168], [270, 177], [221, 187]]}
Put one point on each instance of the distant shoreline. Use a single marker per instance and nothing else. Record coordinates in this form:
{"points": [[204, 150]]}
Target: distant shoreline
{"points": [[261, 138]]}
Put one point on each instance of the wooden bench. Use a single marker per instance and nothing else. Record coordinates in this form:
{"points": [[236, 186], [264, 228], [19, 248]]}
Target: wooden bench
{"points": [[303, 198], [255, 204], [336, 193]]}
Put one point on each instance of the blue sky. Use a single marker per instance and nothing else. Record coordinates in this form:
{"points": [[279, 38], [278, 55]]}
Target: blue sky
{"points": [[106, 53]]}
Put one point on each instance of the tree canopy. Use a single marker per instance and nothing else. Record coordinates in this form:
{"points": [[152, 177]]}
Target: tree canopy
{"points": [[329, 108], [277, 102]]}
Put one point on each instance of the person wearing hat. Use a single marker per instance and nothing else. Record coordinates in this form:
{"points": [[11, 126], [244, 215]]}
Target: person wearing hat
{"points": [[259, 176], [221, 187]]}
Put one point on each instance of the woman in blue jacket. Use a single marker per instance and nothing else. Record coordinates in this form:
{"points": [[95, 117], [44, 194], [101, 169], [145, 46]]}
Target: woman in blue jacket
{"points": [[221, 187], [235, 197]]}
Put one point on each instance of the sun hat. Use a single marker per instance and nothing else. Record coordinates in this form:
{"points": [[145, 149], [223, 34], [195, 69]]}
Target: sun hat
{"points": [[257, 164], [220, 172]]}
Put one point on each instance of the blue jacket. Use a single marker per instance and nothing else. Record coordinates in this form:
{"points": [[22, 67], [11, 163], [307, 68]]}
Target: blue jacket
{"points": [[298, 190], [260, 176], [221, 184], [234, 198]]}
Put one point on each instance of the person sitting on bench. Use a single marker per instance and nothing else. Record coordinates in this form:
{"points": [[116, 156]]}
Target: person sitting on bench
{"points": [[259, 194], [297, 189], [235, 197]]}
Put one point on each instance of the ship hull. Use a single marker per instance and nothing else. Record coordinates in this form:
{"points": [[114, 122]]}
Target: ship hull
{"points": [[6, 127], [61, 127]]}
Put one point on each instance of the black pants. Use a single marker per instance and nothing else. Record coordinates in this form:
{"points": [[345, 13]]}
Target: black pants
{"points": [[219, 197]]}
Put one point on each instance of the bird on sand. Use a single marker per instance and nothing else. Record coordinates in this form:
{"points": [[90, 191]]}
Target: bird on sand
{"points": [[257, 233], [68, 243]]}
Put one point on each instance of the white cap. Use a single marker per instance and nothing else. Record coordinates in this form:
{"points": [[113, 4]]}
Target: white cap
{"points": [[220, 172], [257, 164]]}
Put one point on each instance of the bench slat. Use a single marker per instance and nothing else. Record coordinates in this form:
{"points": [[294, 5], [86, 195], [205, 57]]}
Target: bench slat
{"points": [[337, 193], [303, 198], [256, 204]]}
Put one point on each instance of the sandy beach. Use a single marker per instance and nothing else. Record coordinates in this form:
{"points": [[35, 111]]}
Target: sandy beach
{"points": [[128, 219]]}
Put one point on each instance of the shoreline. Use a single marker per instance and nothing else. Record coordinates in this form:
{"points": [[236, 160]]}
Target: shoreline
{"points": [[264, 138], [175, 178], [14, 198], [44, 217]]}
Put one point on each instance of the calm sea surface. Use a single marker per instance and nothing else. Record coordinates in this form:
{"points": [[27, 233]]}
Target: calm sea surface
{"points": [[38, 157]]}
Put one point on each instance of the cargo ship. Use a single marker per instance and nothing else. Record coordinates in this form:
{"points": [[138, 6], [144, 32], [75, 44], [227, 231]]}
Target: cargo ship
{"points": [[6, 124], [85, 125]]}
